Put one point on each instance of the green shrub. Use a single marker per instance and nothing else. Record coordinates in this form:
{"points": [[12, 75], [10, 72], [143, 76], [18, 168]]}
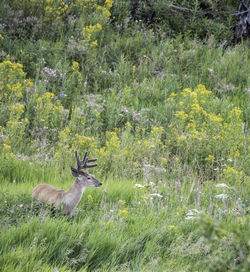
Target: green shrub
{"points": [[193, 18], [204, 131]]}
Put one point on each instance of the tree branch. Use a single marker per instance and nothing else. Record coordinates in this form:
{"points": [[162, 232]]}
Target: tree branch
{"points": [[240, 13], [183, 9], [206, 12]]}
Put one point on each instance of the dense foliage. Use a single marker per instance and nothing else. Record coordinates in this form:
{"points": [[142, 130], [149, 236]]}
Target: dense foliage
{"points": [[160, 95]]}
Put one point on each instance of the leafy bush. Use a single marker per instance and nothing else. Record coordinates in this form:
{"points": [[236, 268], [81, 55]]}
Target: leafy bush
{"points": [[124, 85], [204, 131], [196, 18], [234, 241]]}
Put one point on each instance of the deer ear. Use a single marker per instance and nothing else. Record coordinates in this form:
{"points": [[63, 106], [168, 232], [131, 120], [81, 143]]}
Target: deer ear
{"points": [[74, 171]]}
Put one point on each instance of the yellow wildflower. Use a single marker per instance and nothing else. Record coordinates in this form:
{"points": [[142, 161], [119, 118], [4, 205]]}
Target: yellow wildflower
{"points": [[17, 108], [109, 3], [94, 43], [237, 154], [173, 95], [75, 66], [171, 227], [123, 212], [231, 174], [99, 27], [122, 202], [181, 115], [90, 198], [7, 147], [157, 130], [210, 158]]}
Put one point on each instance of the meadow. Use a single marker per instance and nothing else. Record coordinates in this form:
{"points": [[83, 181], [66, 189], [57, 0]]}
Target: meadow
{"points": [[162, 104]]}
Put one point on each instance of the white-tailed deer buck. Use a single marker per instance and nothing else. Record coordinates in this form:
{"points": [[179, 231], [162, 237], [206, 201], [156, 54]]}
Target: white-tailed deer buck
{"points": [[68, 200]]}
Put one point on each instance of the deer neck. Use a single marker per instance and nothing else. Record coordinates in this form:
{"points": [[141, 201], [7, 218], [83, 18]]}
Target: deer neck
{"points": [[73, 195], [76, 189]]}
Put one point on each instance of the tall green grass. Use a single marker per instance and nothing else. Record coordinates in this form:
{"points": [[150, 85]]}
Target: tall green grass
{"points": [[173, 154], [167, 226]]}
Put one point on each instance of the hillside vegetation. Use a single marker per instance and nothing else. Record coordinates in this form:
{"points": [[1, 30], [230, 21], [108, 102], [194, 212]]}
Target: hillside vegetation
{"points": [[158, 91]]}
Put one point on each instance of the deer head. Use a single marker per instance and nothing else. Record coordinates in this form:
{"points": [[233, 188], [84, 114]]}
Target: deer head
{"points": [[83, 177]]}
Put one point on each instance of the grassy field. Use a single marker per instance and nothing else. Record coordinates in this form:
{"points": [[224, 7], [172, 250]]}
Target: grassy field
{"points": [[164, 106], [165, 226]]}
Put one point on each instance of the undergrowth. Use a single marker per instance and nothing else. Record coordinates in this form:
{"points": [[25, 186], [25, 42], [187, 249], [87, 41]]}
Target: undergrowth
{"points": [[165, 112]]}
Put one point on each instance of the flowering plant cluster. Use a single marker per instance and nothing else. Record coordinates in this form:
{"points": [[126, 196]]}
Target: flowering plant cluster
{"points": [[49, 112], [201, 131], [56, 9], [24, 112], [59, 9], [13, 82], [13, 89]]}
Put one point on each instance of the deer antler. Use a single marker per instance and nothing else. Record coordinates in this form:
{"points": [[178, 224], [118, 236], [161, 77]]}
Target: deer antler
{"points": [[83, 164]]}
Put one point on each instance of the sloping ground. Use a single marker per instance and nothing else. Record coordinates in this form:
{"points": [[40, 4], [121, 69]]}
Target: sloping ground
{"points": [[165, 114]]}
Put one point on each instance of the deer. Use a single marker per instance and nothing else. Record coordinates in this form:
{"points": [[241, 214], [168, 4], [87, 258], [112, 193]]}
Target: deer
{"points": [[68, 200]]}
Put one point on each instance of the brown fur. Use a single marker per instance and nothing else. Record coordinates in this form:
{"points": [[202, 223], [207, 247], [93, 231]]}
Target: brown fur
{"points": [[68, 200], [48, 193]]}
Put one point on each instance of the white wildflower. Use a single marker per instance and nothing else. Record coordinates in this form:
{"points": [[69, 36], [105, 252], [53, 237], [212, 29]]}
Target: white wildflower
{"points": [[49, 72], [222, 196], [192, 214], [156, 195], [221, 185], [190, 217], [139, 186]]}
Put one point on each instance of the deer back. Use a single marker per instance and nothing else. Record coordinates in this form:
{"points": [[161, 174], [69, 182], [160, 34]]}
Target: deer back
{"points": [[48, 193]]}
